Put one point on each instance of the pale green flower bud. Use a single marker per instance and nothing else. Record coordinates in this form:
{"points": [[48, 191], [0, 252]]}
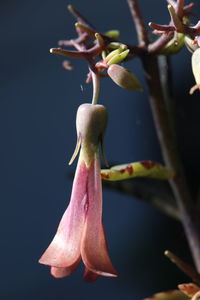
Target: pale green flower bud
{"points": [[124, 78], [196, 69], [189, 43], [116, 59], [114, 34]]}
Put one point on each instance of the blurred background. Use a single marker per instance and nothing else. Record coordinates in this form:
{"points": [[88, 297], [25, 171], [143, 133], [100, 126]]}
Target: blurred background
{"points": [[38, 103]]}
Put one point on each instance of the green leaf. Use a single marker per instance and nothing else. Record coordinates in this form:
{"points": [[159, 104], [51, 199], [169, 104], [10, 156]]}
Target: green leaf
{"points": [[168, 295], [137, 169]]}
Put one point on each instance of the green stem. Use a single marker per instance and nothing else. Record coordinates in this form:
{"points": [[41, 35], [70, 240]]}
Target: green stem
{"points": [[96, 87]]}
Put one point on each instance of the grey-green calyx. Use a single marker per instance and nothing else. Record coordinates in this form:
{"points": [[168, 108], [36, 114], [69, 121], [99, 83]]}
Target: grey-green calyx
{"points": [[91, 122]]}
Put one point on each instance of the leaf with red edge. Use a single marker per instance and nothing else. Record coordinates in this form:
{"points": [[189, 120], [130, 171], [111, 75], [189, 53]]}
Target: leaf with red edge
{"points": [[149, 169], [169, 295], [189, 289]]}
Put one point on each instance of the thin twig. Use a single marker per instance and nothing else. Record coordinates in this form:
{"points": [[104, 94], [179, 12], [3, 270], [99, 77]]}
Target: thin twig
{"points": [[165, 28], [179, 8], [187, 269], [86, 54], [156, 46], [81, 39], [79, 17], [139, 23]]}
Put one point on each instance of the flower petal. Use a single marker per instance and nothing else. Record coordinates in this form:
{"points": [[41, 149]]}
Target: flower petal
{"points": [[89, 276], [64, 272], [93, 246], [64, 250]]}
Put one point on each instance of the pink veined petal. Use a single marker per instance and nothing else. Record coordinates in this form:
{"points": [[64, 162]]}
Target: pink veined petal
{"points": [[64, 272], [64, 249], [90, 276], [93, 246]]}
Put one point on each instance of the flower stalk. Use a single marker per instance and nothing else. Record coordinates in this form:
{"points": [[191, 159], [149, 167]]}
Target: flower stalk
{"points": [[96, 86]]}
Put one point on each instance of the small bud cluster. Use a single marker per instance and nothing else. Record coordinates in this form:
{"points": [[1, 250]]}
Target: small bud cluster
{"points": [[103, 52]]}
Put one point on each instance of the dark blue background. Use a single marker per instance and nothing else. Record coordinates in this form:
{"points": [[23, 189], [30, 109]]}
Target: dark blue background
{"points": [[38, 106]]}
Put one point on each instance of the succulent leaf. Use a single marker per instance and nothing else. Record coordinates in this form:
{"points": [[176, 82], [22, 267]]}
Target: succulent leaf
{"points": [[137, 169], [189, 289], [168, 295]]}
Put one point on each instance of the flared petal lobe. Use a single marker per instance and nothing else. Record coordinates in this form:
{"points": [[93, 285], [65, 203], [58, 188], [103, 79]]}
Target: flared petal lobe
{"points": [[94, 251], [64, 250], [90, 276], [64, 272]]}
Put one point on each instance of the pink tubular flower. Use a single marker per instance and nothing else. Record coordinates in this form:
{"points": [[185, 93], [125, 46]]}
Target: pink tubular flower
{"points": [[80, 234]]}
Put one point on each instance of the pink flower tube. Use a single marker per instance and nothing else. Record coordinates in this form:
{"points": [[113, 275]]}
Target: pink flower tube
{"points": [[80, 234]]}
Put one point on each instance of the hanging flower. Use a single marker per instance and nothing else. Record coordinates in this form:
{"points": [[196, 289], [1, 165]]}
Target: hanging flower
{"points": [[80, 234]]}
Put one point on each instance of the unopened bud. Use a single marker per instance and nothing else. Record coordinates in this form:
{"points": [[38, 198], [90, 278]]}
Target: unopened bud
{"points": [[116, 59], [196, 69], [113, 53], [114, 34], [190, 44], [124, 78]]}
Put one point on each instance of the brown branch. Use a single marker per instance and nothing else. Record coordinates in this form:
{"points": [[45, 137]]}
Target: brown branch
{"points": [[139, 23], [165, 28], [156, 46], [79, 17], [79, 40], [166, 134], [86, 54], [179, 8]]}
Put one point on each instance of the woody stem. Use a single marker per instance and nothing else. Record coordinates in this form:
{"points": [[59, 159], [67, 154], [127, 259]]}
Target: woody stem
{"points": [[166, 133], [167, 139]]}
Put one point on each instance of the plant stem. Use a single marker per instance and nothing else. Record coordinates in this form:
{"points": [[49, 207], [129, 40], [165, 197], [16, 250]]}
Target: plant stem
{"points": [[79, 17], [185, 267], [139, 23], [156, 46], [165, 130], [96, 86], [166, 135]]}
